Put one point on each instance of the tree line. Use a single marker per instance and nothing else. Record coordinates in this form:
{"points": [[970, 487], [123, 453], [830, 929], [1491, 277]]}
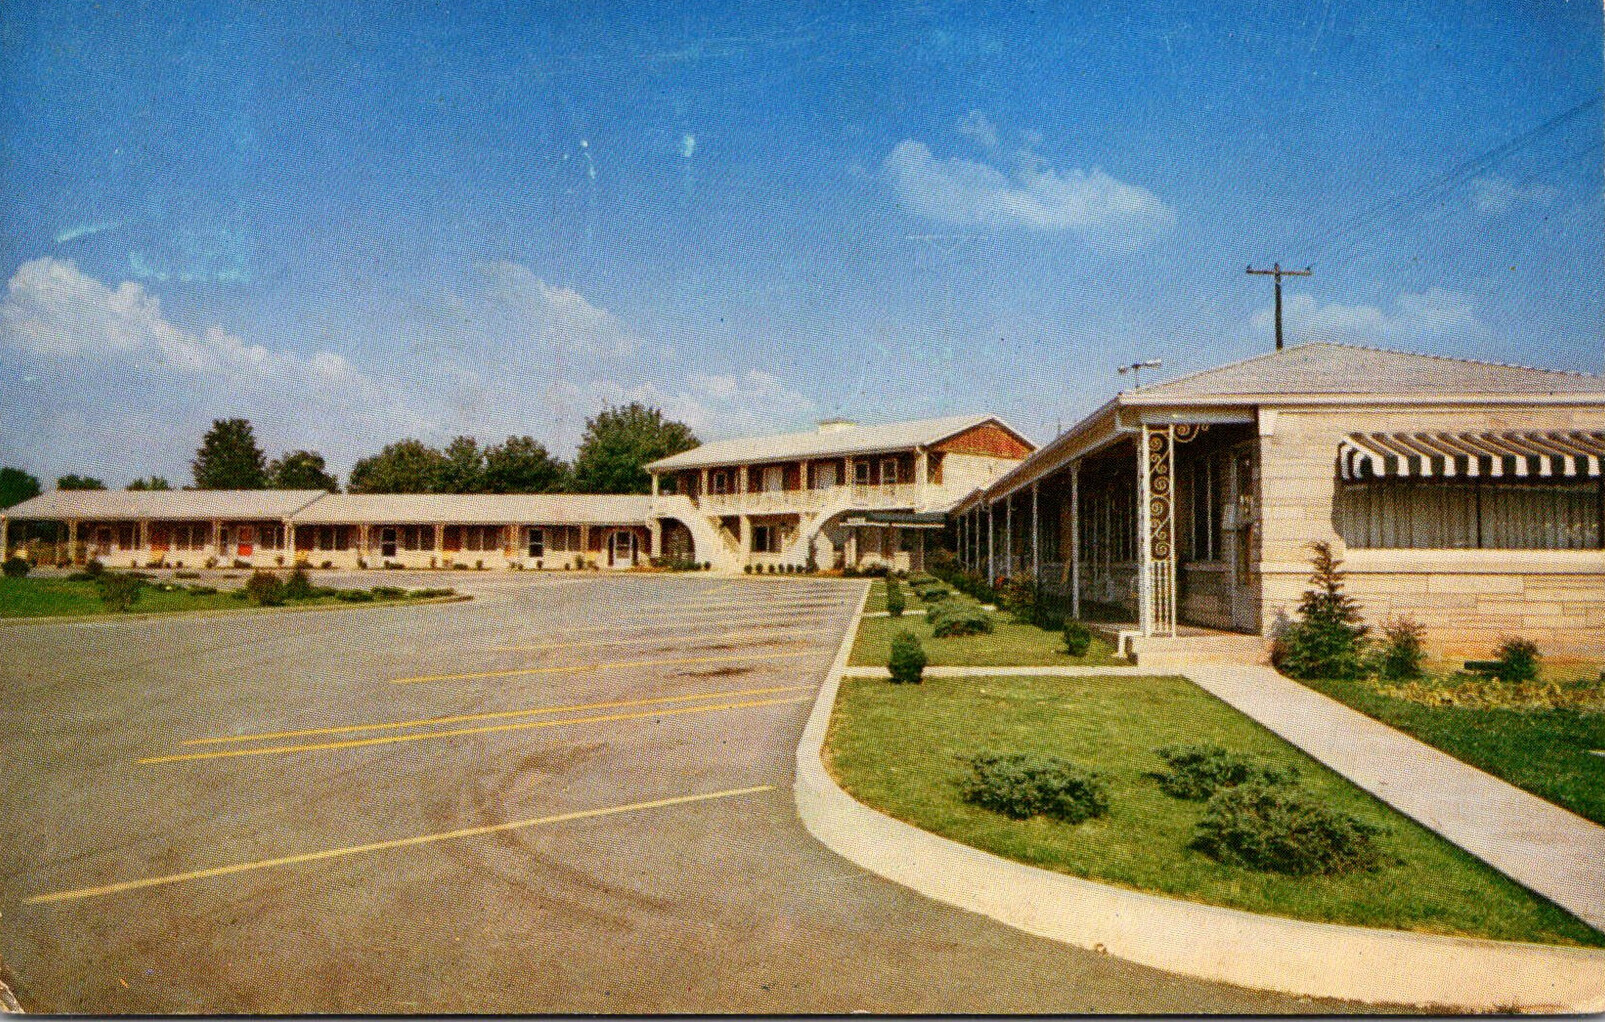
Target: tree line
{"points": [[617, 445]]}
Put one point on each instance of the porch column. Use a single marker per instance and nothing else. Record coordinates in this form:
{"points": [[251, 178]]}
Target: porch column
{"points": [[745, 527], [217, 540], [585, 539], [440, 544], [922, 463], [5, 537], [1036, 535], [703, 490], [1156, 524], [654, 484], [289, 542], [654, 538], [991, 547], [1075, 539], [1008, 536]]}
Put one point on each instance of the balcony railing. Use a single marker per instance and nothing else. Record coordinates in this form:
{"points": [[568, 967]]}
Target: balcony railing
{"points": [[854, 495]]}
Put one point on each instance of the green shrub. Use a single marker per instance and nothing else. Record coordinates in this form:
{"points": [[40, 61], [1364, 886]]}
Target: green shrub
{"points": [[93, 567], [118, 591], [1023, 785], [388, 592], [933, 593], [186, 574], [265, 588], [746, 569], [894, 598], [203, 590], [1199, 771], [353, 595], [16, 567], [1017, 596], [298, 586], [1257, 826], [81, 576], [1328, 640], [952, 618], [429, 594], [1401, 654], [907, 660], [1517, 661], [1077, 638]]}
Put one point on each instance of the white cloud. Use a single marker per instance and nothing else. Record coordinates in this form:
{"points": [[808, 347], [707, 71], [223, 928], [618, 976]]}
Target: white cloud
{"points": [[1495, 195], [969, 193], [1431, 313], [558, 317]]}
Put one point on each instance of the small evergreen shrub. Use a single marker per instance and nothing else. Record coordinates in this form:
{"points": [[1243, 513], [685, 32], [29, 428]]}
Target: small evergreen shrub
{"points": [[16, 567], [429, 594], [1077, 638], [388, 592], [1199, 771], [298, 586], [265, 588], [907, 660], [1264, 829], [1402, 651], [1022, 785], [953, 618], [118, 592], [203, 590], [1017, 596], [895, 604], [93, 567], [353, 595], [1517, 661], [1328, 640]]}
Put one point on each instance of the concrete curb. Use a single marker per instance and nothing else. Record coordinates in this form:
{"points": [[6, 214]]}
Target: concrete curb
{"points": [[1203, 941], [1065, 671], [191, 615]]}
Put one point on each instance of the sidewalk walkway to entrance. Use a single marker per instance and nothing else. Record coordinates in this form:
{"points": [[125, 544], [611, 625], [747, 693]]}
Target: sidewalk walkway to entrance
{"points": [[1538, 844]]}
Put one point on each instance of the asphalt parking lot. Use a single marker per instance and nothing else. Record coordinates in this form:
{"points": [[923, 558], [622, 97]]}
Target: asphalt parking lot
{"points": [[569, 794]]}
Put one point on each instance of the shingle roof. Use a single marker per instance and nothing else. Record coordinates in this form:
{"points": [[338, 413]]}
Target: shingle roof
{"points": [[854, 439], [487, 508], [164, 504], [1326, 368]]}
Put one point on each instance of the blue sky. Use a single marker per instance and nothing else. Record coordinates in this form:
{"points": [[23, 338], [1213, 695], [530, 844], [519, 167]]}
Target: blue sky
{"points": [[356, 222]]}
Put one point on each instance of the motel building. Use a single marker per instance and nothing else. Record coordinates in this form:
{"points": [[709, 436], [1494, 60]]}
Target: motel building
{"points": [[840, 495], [1466, 495]]}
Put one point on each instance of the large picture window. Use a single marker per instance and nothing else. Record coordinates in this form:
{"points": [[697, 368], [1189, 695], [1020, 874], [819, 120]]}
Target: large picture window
{"points": [[1470, 514]]}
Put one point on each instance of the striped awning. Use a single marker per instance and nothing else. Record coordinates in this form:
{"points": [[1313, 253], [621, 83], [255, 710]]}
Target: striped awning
{"points": [[1559, 454]]}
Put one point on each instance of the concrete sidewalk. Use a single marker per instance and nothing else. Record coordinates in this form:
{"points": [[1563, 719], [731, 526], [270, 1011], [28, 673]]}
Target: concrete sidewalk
{"points": [[1543, 847]]}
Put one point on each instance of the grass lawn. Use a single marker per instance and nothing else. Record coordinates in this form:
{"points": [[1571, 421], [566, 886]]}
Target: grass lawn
{"points": [[1546, 752], [901, 749], [58, 597], [1009, 645], [877, 597]]}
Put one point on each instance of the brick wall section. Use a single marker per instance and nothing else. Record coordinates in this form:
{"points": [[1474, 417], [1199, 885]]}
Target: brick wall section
{"points": [[1467, 599]]}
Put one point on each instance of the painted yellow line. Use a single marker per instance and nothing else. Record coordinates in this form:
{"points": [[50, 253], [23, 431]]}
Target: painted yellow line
{"points": [[694, 637], [465, 717], [580, 668], [357, 743], [380, 846]]}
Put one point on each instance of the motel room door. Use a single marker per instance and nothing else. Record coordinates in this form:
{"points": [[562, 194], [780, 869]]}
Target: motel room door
{"points": [[1240, 522], [621, 549]]}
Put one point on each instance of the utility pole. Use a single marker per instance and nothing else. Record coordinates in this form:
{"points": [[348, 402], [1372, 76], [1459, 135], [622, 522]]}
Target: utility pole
{"points": [[1277, 272]]}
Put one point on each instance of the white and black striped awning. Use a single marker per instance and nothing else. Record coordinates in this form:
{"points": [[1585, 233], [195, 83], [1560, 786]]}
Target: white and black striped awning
{"points": [[1558, 454]]}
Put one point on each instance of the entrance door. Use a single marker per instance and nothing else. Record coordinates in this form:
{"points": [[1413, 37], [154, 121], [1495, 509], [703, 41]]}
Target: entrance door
{"points": [[387, 541], [621, 550], [1241, 524], [247, 540]]}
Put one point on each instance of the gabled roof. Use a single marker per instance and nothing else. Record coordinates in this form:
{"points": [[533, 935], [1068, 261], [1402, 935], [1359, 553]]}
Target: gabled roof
{"points": [[1326, 368], [164, 504], [478, 508], [850, 439]]}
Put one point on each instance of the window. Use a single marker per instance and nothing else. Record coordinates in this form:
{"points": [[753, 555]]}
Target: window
{"points": [[537, 543], [719, 481], [1207, 497], [824, 475], [773, 479], [1470, 514], [861, 473], [888, 471], [766, 539]]}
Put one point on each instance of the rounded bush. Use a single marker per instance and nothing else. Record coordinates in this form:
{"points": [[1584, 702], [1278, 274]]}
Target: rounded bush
{"points": [[1517, 660], [265, 588], [1077, 638], [299, 586], [1257, 826], [118, 591], [952, 618], [1199, 771], [907, 660], [16, 567], [895, 604], [1022, 785]]}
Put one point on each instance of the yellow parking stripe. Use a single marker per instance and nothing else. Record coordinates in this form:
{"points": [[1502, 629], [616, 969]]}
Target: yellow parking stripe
{"points": [[698, 637], [380, 846], [465, 717], [579, 668], [357, 743]]}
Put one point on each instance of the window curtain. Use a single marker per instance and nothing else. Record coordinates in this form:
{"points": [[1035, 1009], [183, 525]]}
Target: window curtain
{"points": [[1430, 514]]}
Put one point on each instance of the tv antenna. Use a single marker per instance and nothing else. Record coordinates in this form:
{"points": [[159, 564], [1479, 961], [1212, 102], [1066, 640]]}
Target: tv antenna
{"points": [[1136, 368]]}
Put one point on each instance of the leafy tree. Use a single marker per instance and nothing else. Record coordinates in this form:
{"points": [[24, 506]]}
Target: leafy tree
{"points": [[406, 466], [17, 486], [619, 441], [523, 465], [73, 481], [229, 459], [301, 470], [462, 468], [153, 483]]}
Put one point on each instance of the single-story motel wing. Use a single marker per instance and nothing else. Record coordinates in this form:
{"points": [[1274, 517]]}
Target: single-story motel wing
{"points": [[1466, 495]]}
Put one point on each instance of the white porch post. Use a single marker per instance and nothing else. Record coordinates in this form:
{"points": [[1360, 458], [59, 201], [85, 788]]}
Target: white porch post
{"points": [[5, 536], [922, 464], [440, 546], [991, 547], [144, 539], [1075, 539], [1157, 590], [1145, 583], [585, 544], [1008, 535], [1036, 536], [654, 484], [746, 538], [217, 540]]}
